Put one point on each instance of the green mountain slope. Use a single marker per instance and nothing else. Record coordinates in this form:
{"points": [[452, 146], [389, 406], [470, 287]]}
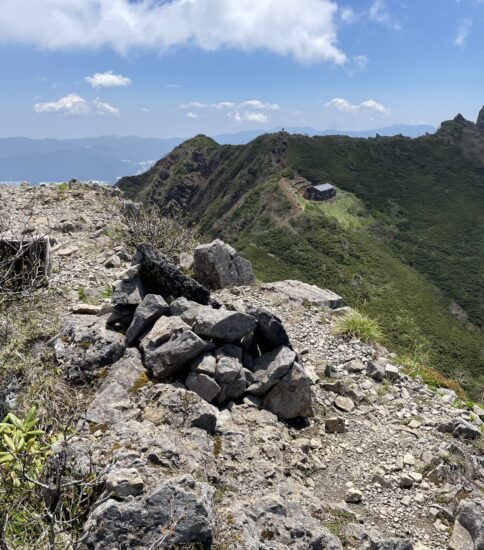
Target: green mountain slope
{"points": [[402, 241]]}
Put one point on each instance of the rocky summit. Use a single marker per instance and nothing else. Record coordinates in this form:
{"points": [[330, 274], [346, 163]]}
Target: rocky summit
{"points": [[213, 411]]}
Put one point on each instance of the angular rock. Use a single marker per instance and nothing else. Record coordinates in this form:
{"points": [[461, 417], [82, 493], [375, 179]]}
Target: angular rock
{"points": [[85, 345], [205, 364], [186, 309], [270, 332], [203, 385], [469, 524], [217, 265], [270, 368], [128, 292], [392, 373], [124, 482], [375, 370], [149, 311], [344, 403], [355, 366], [181, 505], [291, 397], [221, 324], [230, 375], [162, 331], [464, 429], [353, 496], [304, 293], [159, 276], [335, 425], [164, 361], [391, 544]]}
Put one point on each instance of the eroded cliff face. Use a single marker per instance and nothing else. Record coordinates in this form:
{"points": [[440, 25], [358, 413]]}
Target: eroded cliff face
{"points": [[382, 460]]}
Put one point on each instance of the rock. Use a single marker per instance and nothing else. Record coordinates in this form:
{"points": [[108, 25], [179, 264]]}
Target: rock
{"points": [[406, 481], [159, 276], [86, 309], [229, 326], [205, 364], [202, 384], [344, 403], [230, 375], [113, 261], [270, 368], [392, 373], [67, 250], [462, 428], [217, 265], [166, 360], [161, 332], [391, 544], [186, 261], [353, 496], [186, 309], [85, 345], [304, 293], [128, 292], [148, 312], [181, 506], [124, 482], [376, 370], [270, 332], [355, 366], [469, 526], [335, 425], [409, 459], [291, 396]]}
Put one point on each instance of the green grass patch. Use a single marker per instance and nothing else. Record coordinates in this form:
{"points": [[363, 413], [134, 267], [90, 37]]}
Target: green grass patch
{"points": [[359, 325]]}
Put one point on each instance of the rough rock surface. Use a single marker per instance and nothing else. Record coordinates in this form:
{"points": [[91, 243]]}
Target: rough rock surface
{"points": [[304, 293], [217, 265]]}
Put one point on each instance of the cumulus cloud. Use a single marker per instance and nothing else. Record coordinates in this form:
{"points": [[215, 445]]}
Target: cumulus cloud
{"points": [[305, 30], [251, 110], [348, 15], [463, 30], [104, 109], [108, 80], [74, 104], [370, 106]]}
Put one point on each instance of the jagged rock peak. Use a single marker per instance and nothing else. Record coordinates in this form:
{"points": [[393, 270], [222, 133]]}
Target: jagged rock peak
{"points": [[480, 120], [459, 119]]}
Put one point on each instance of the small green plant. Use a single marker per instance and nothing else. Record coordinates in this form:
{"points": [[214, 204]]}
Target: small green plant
{"points": [[62, 187], [359, 325], [217, 444], [82, 294], [107, 292]]}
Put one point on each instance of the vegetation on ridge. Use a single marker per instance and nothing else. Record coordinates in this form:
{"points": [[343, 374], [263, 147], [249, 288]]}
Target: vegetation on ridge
{"points": [[402, 243]]}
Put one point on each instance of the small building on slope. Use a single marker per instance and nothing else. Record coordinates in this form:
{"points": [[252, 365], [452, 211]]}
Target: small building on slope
{"points": [[321, 192]]}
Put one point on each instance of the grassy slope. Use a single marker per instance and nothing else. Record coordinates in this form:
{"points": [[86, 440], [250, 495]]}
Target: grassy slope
{"points": [[349, 245]]}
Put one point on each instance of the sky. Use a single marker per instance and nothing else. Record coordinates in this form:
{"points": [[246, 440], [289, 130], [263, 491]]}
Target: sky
{"points": [[175, 68]]}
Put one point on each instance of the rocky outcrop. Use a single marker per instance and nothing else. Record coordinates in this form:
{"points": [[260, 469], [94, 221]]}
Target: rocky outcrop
{"points": [[480, 120], [468, 533], [218, 265], [305, 294]]}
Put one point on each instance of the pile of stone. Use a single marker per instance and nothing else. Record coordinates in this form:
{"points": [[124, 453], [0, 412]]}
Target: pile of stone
{"points": [[183, 335]]}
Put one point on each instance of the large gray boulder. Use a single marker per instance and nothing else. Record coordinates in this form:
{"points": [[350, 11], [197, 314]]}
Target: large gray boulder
{"points": [[304, 293], [151, 308], [468, 531], [291, 396], [391, 544], [270, 368], [203, 385], [166, 360], [218, 265], [270, 332], [229, 373], [177, 513], [221, 324], [85, 345]]}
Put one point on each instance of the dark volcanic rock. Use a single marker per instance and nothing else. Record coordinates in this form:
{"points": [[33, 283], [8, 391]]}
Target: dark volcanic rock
{"points": [[270, 332], [159, 276]]}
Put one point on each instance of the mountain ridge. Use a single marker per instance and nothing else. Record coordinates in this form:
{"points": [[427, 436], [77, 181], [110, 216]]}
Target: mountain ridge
{"points": [[404, 235]]}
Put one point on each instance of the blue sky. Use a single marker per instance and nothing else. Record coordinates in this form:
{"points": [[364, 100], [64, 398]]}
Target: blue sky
{"points": [[73, 68]]}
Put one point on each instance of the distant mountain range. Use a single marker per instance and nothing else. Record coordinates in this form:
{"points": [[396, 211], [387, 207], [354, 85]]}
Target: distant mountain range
{"points": [[107, 158]]}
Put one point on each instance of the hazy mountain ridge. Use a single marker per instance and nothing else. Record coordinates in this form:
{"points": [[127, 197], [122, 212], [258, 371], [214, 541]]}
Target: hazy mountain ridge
{"points": [[403, 240], [107, 158]]}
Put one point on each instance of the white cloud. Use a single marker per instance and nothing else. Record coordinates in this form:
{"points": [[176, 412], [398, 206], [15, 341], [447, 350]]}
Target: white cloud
{"points": [[305, 30], [72, 104], [172, 86], [348, 15], [463, 30], [361, 61], [104, 109], [108, 80], [370, 106], [260, 105], [251, 110], [379, 13], [145, 110]]}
